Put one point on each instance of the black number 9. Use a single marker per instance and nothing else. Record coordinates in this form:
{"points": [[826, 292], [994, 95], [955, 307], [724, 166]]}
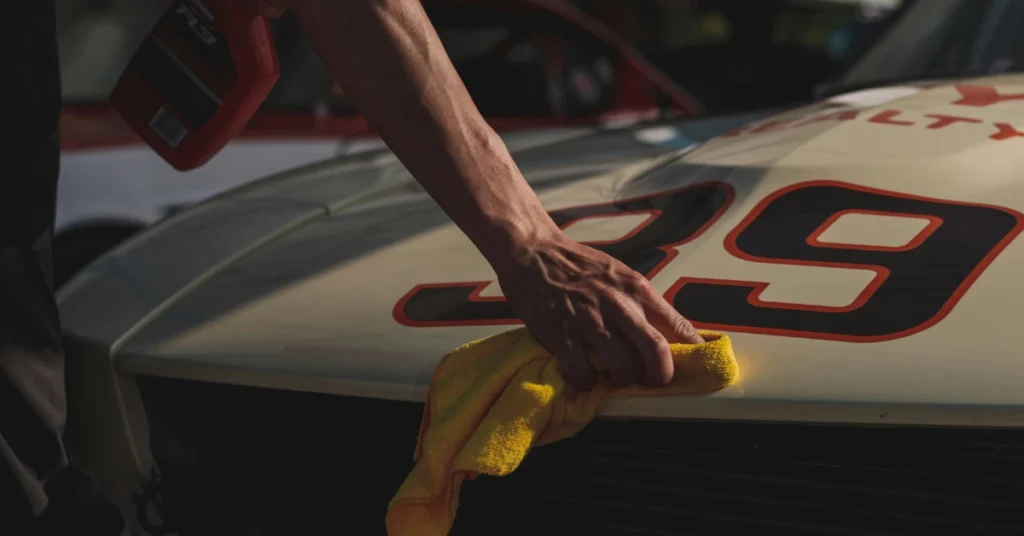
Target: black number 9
{"points": [[915, 285]]}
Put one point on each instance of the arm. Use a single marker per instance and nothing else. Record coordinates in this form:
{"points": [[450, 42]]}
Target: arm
{"points": [[390, 62], [388, 59]]}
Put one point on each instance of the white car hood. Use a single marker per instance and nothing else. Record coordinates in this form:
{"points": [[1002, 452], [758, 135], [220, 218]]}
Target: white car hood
{"points": [[271, 285]]}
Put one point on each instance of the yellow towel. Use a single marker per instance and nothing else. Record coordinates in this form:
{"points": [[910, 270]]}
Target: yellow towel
{"points": [[493, 399]]}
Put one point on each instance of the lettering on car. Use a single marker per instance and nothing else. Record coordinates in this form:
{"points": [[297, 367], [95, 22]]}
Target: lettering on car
{"points": [[971, 96]]}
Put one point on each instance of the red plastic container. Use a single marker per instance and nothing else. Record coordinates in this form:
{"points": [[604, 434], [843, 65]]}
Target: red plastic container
{"points": [[197, 79]]}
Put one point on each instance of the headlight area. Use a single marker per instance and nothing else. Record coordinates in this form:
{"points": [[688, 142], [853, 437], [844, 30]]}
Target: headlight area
{"points": [[253, 461]]}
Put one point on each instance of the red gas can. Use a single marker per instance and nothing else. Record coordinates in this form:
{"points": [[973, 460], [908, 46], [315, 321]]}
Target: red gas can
{"points": [[197, 79]]}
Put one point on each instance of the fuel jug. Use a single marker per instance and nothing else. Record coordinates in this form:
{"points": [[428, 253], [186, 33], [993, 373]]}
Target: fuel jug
{"points": [[197, 79]]}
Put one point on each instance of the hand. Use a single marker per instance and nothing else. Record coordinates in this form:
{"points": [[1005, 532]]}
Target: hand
{"points": [[572, 297]]}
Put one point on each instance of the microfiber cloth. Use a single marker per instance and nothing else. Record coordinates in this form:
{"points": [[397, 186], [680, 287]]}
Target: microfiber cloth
{"points": [[493, 399]]}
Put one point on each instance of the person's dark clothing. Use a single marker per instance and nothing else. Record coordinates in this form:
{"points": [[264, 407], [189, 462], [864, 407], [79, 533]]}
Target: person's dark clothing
{"points": [[30, 103], [37, 489], [31, 360]]}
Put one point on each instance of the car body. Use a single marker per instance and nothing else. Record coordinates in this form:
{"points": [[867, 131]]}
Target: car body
{"points": [[260, 361], [537, 69]]}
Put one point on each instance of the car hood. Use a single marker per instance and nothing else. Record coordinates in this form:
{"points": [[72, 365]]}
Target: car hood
{"points": [[303, 281]]}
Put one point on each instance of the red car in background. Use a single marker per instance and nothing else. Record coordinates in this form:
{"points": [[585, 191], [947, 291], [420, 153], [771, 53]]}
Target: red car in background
{"points": [[527, 64], [535, 68]]}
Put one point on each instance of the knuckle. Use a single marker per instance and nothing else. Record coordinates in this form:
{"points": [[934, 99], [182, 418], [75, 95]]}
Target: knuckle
{"points": [[661, 348], [629, 283], [618, 299], [656, 340], [654, 346], [641, 285], [683, 326]]}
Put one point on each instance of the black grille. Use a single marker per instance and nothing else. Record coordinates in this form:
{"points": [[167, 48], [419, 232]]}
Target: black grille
{"points": [[298, 463], [723, 478]]}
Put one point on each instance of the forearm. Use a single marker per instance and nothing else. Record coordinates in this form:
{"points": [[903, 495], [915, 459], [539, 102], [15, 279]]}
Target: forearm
{"points": [[388, 59]]}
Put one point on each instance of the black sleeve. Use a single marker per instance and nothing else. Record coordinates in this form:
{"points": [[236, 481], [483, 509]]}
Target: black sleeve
{"points": [[30, 104]]}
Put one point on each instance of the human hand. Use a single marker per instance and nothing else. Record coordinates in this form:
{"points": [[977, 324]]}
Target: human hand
{"points": [[573, 297]]}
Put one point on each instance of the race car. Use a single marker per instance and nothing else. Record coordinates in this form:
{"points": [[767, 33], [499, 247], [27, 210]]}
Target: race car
{"points": [[538, 70], [258, 363]]}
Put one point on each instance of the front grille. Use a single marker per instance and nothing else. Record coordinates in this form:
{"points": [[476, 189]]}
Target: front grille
{"points": [[730, 478], [299, 463]]}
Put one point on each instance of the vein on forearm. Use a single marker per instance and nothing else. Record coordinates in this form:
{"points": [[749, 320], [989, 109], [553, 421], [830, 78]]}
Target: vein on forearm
{"points": [[389, 60]]}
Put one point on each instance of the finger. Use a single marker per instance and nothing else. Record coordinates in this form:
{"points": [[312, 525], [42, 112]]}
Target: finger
{"points": [[572, 356], [611, 349], [665, 318], [651, 346]]}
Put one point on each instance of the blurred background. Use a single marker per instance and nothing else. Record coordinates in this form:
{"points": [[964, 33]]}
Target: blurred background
{"points": [[729, 54]]}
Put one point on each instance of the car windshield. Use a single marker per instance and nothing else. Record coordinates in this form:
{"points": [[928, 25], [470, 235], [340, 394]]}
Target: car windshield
{"points": [[737, 55], [941, 39]]}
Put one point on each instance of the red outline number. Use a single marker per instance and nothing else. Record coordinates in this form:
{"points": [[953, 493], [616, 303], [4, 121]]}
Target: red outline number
{"points": [[915, 285], [933, 223]]}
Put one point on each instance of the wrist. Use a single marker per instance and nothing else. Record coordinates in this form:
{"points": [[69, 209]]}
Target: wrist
{"points": [[505, 219], [509, 239], [509, 234]]}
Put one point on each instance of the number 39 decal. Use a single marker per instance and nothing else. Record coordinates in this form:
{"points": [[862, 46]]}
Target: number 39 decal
{"points": [[914, 286]]}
